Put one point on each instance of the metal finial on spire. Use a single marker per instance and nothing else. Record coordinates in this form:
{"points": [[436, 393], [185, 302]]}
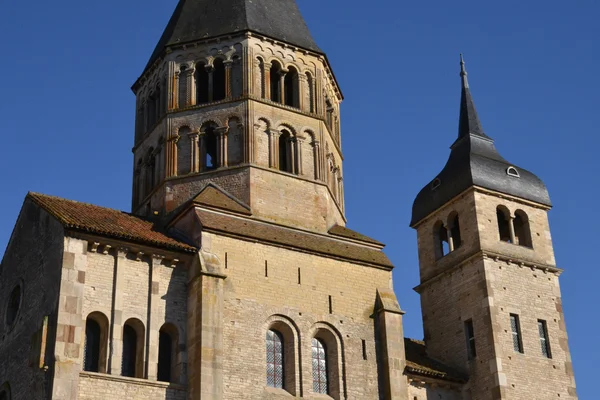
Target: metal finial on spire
{"points": [[463, 71]]}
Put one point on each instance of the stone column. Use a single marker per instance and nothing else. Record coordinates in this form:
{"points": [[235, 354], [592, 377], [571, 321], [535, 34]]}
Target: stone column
{"points": [[247, 71], [210, 69], [282, 74], [341, 192], [511, 227], [317, 159], [69, 347], [202, 151], [391, 351], [172, 87], [222, 146], [205, 328], [116, 320], [299, 142], [274, 148], [154, 322], [228, 81], [194, 159], [302, 81], [190, 85], [176, 77], [267, 81], [450, 239]]}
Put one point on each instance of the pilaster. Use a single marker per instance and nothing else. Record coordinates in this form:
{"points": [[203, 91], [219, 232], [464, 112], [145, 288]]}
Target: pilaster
{"points": [[116, 327], [154, 322]]}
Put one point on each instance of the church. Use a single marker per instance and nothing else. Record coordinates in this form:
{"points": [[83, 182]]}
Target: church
{"points": [[234, 276]]}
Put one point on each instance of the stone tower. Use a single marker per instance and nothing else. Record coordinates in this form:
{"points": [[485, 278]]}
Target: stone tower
{"points": [[238, 94], [489, 287]]}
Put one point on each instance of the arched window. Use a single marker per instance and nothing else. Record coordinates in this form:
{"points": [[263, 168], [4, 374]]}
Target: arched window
{"points": [[455, 232], [201, 83], [442, 246], [522, 229], [275, 82], [14, 305], [132, 363], [158, 102], [311, 93], [285, 152], [95, 343], [219, 91], [275, 366], [211, 146], [5, 391], [167, 353], [320, 367], [330, 110], [503, 217], [291, 88], [151, 104]]}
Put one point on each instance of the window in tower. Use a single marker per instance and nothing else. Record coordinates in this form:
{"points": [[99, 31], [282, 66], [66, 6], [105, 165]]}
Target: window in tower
{"points": [[202, 78], [470, 337], [95, 343], [275, 76], [515, 326], [182, 87], [132, 362], [262, 77], [544, 341], [522, 229], [285, 152], [167, 353], [440, 237], [319, 366], [211, 142], [219, 81], [504, 228], [291, 88], [275, 348], [512, 171], [330, 110]]}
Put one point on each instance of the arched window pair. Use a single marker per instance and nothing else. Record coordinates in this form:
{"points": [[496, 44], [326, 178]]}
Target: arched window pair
{"points": [[287, 152], [515, 230], [210, 81], [132, 361], [284, 85], [280, 365], [447, 238]]}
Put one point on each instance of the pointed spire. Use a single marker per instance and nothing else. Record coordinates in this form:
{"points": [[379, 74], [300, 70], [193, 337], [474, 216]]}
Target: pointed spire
{"points": [[468, 123]]}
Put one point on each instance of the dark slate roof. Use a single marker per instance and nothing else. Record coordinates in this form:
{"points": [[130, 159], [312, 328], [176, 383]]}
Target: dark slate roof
{"points": [[245, 227], [88, 218], [419, 363], [202, 19], [474, 161]]}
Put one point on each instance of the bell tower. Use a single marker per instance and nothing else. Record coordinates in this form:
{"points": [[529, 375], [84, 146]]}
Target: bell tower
{"points": [[489, 287], [238, 94]]}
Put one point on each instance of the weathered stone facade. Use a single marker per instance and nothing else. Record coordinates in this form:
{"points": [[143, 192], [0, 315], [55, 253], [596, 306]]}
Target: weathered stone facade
{"points": [[235, 278]]}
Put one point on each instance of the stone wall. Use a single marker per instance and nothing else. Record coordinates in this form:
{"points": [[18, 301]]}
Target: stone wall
{"points": [[33, 259], [103, 387], [269, 286]]}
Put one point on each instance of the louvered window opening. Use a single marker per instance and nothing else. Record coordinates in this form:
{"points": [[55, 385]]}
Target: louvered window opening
{"points": [[274, 359], [516, 333], [319, 364], [544, 342]]}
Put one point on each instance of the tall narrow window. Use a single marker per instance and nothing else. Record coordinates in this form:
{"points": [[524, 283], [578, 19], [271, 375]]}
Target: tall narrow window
{"points": [[285, 149], [91, 350], [261, 67], [132, 362], [515, 326], [275, 82], [329, 109], [182, 87], [291, 88], [201, 83], [319, 364], [274, 348], [522, 230], [165, 356], [219, 81], [503, 217], [455, 232], [129, 351], [440, 233], [544, 340], [470, 336], [211, 148]]}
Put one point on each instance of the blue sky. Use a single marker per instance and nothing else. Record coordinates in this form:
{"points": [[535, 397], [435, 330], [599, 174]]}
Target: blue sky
{"points": [[67, 114]]}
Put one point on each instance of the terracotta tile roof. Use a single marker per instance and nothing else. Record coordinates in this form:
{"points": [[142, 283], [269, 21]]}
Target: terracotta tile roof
{"points": [[276, 234], [117, 224], [342, 231], [418, 363]]}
